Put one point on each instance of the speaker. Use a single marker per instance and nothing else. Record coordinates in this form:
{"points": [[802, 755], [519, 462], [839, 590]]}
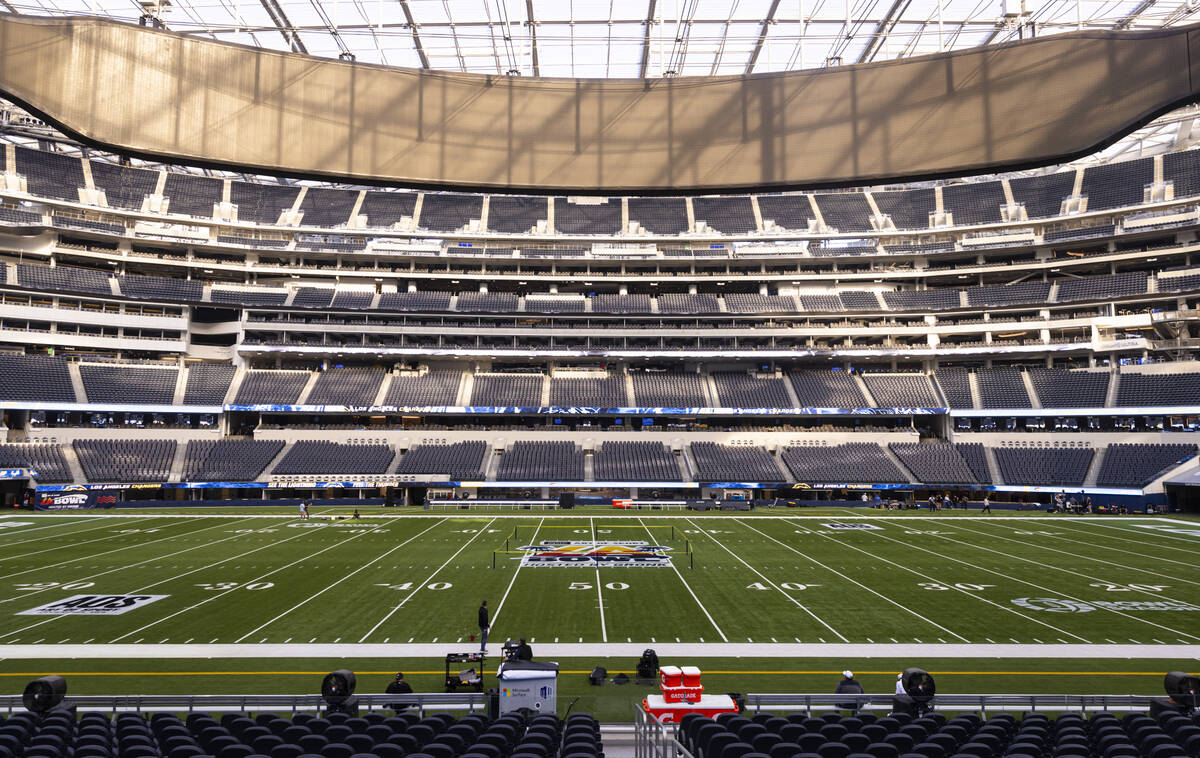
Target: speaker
{"points": [[338, 686], [566, 500], [1183, 689], [42, 695]]}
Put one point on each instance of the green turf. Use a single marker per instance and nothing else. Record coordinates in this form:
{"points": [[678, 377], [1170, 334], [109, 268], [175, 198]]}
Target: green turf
{"points": [[273, 580], [762, 577]]}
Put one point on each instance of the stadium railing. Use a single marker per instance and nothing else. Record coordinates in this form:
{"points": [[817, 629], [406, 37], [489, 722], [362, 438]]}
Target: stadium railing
{"points": [[978, 703], [418, 703]]}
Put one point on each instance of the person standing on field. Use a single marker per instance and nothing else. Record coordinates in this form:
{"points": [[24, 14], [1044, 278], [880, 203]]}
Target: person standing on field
{"points": [[484, 626]]}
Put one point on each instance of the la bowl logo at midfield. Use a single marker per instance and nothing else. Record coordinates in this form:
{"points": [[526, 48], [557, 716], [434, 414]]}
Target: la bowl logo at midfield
{"points": [[1053, 604], [594, 554]]}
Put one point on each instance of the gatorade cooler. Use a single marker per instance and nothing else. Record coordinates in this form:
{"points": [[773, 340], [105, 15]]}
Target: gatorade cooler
{"points": [[680, 685], [672, 713]]}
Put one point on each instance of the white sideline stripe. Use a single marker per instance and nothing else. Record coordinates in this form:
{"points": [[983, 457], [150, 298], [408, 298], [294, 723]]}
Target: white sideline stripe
{"points": [[848, 579], [339, 581], [613, 650], [972, 595], [1156, 558], [599, 592], [428, 579], [260, 577], [513, 581], [1136, 569], [688, 587], [86, 577], [798, 604], [1057, 592]]}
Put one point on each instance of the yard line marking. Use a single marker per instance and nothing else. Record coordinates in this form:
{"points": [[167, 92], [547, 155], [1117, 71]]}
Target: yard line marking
{"points": [[956, 589], [1096, 560], [427, 580], [25, 530], [508, 589], [688, 587], [599, 592], [797, 603], [1022, 581], [1145, 543], [161, 581], [114, 550], [256, 579], [848, 579], [1156, 558], [66, 545], [1066, 571], [339, 581], [126, 566], [1176, 537]]}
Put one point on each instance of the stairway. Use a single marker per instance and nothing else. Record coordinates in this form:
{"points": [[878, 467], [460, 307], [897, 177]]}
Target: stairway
{"points": [[270, 467], [899, 464], [993, 465], [1093, 471], [77, 476], [175, 474]]}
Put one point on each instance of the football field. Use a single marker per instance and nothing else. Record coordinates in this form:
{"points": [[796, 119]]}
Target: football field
{"points": [[708, 581]]}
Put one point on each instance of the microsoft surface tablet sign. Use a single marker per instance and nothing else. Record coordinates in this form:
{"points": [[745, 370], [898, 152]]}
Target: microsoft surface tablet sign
{"points": [[92, 605]]}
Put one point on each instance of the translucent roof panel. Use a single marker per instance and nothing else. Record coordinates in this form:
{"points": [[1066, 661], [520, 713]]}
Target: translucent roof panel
{"points": [[627, 38]]}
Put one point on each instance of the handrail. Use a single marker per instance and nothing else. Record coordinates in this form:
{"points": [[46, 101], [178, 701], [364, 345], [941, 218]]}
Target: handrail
{"points": [[420, 703], [981, 703]]}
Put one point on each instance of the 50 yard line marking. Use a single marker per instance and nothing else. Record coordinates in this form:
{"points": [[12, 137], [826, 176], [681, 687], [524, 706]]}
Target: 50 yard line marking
{"points": [[339, 581], [688, 587], [428, 579], [599, 592], [796, 602], [512, 581]]}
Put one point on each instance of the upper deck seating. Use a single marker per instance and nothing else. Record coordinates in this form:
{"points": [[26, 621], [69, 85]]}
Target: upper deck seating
{"points": [[458, 460], [516, 214], [107, 383], [901, 390], [659, 215], [522, 390], [668, 389], [262, 203], [432, 388], [587, 217], [737, 389], [541, 461], [636, 462], [384, 209], [731, 214], [50, 174], [853, 462], [192, 195], [346, 386], [208, 383], [827, 389], [734, 463]]}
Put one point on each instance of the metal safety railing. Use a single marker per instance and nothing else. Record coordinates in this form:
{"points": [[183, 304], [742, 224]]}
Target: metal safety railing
{"points": [[417, 703], [653, 739], [786, 703]]}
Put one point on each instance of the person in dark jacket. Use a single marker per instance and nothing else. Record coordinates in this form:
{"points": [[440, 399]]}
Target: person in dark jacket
{"points": [[484, 626], [848, 686], [399, 687], [524, 652]]}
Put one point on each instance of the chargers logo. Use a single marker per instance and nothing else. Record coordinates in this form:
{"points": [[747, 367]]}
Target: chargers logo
{"points": [[599, 554], [1053, 604]]}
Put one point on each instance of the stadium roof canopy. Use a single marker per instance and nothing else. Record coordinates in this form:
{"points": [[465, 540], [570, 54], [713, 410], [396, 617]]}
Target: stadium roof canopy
{"points": [[625, 38]]}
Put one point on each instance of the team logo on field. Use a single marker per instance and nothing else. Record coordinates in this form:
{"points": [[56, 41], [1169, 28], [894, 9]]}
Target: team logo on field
{"points": [[851, 526], [1066, 605], [92, 605], [595, 554], [11, 524]]}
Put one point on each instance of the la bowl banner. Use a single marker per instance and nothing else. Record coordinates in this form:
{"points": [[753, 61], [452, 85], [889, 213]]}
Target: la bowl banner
{"points": [[594, 554]]}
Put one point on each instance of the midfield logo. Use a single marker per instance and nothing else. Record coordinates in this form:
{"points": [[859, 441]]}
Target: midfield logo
{"points": [[93, 605], [595, 554]]}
